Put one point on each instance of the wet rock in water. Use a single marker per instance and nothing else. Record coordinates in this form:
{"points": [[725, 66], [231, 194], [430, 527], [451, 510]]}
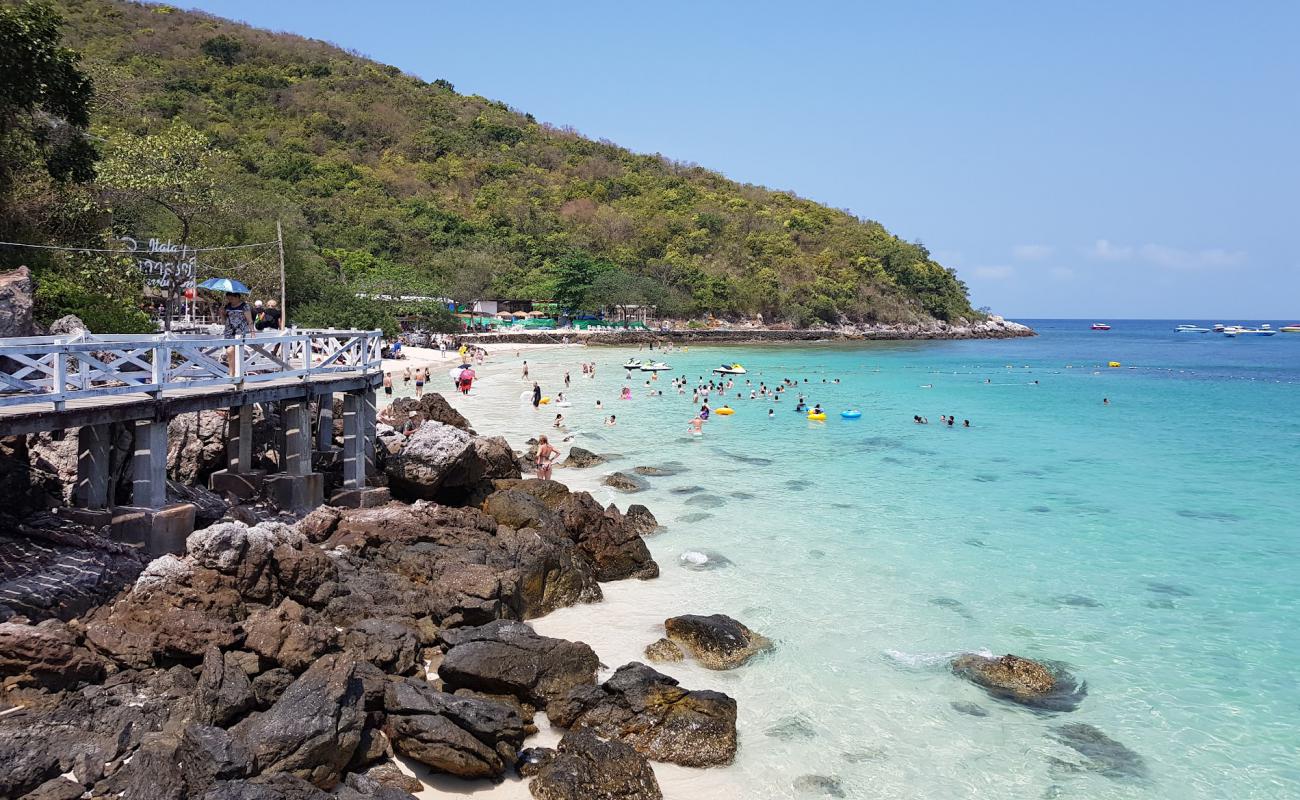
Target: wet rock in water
{"points": [[1040, 509], [1169, 589], [973, 542], [951, 604], [313, 729], [586, 767], [1162, 603], [649, 711], [696, 516], [986, 477], [823, 785], [1216, 516], [664, 650], [469, 737], [968, 708], [716, 641], [659, 471], [686, 489], [1101, 753], [742, 495], [795, 726], [581, 458], [701, 560], [640, 520], [706, 501], [506, 657], [1076, 601], [624, 482], [797, 485], [1045, 686], [47, 655]]}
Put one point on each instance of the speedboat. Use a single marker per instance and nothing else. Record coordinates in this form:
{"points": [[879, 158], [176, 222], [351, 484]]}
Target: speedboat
{"points": [[730, 369], [1290, 328], [1232, 330], [1218, 327], [1263, 330], [654, 366], [1191, 329], [1100, 326]]}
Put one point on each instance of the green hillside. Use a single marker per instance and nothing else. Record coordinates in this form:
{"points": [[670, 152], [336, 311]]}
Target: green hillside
{"points": [[387, 182]]}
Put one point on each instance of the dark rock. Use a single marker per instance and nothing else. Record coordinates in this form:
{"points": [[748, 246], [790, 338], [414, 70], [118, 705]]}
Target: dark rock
{"points": [[1041, 685], [664, 650], [59, 788], [278, 786], [288, 635], [196, 446], [703, 560], [716, 641], [532, 760], [431, 454], [363, 787], [313, 729], [224, 692], [649, 711], [639, 520], [464, 736], [825, 785], [373, 748], [509, 658], [268, 686], [586, 767], [388, 775], [625, 482], [1101, 753], [393, 645], [604, 536], [581, 458], [46, 655], [208, 754], [661, 471], [519, 510]]}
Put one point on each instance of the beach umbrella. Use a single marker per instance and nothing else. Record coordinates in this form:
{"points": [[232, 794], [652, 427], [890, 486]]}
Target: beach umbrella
{"points": [[229, 285]]}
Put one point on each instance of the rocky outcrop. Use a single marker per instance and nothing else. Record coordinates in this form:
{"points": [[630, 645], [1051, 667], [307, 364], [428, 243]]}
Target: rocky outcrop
{"points": [[48, 655], [464, 736], [196, 446], [585, 766], [1041, 685], [17, 299], [624, 482], [224, 693], [581, 458], [506, 657], [716, 641], [441, 462], [640, 520], [649, 711], [432, 407]]}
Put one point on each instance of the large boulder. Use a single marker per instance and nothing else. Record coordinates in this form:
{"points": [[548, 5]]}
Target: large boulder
{"points": [[289, 635], [519, 510], [640, 520], [313, 729], [581, 458], [224, 693], [46, 655], [1042, 685], [613, 546], [506, 657], [392, 645], [432, 454], [586, 767], [716, 641], [624, 482], [469, 737], [433, 406], [17, 298], [649, 711]]}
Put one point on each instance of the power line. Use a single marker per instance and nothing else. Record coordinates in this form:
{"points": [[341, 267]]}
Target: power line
{"points": [[129, 252]]}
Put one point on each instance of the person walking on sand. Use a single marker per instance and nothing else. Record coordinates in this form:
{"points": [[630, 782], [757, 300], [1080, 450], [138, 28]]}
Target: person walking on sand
{"points": [[388, 384], [545, 459], [238, 319], [537, 395]]}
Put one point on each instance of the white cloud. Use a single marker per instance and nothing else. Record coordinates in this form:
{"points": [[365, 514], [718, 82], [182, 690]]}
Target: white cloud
{"points": [[993, 273], [1031, 252], [1167, 257]]}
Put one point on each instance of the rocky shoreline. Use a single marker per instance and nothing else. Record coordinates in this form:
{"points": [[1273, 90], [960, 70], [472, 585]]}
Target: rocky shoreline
{"points": [[992, 328]]}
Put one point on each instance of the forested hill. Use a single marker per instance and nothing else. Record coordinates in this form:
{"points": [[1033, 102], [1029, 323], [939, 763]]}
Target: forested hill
{"points": [[387, 181]]}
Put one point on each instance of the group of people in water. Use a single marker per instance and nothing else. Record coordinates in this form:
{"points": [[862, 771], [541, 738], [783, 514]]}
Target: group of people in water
{"points": [[944, 419]]}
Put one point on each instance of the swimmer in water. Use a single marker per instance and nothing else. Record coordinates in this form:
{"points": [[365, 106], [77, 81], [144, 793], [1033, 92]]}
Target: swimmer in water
{"points": [[696, 426], [1105, 401], [559, 421], [965, 423], [611, 422], [771, 412]]}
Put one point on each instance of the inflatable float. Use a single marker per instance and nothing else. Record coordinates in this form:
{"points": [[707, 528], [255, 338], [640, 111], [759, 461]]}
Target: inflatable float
{"points": [[854, 414], [1113, 364], [817, 417], [730, 369], [725, 411]]}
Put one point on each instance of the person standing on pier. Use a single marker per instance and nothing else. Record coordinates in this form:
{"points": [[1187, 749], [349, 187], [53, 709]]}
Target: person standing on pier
{"points": [[238, 319]]}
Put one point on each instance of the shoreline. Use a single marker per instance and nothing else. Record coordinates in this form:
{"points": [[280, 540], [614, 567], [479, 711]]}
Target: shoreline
{"points": [[993, 328]]}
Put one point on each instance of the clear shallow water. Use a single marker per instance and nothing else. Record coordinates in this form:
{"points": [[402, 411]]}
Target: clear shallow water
{"points": [[1152, 545]]}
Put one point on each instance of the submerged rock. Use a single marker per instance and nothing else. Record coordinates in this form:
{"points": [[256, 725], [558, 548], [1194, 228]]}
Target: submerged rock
{"points": [[586, 767], [649, 711], [1041, 685], [624, 482], [581, 458], [824, 785], [968, 708], [700, 560], [664, 650], [1101, 753], [716, 641], [795, 726]]}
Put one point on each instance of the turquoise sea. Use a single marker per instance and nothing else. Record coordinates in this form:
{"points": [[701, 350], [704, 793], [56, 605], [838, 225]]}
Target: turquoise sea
{"points": [[1152, 545]]}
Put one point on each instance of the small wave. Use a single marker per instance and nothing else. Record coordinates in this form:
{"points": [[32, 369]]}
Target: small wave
{"points": [[918, 660]]}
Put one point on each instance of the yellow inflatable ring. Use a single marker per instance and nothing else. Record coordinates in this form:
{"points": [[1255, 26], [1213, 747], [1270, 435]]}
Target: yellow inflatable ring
{"points": [[545, 400], [1113, 364], [725, 412], [817, 417]]}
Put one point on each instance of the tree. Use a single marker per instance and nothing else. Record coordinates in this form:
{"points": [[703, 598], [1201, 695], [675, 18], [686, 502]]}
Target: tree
{"points": [[176, 170], [467, 276], [575, 274]]}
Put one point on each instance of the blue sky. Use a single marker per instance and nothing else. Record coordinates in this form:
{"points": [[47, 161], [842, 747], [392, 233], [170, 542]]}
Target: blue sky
{"points": [[1101, 159]]}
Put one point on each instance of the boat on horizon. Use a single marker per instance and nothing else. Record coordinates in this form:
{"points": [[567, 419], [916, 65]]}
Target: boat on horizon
{"points": [[1218, 327], [1100, 326], [1191, 329], [1290, 328]]}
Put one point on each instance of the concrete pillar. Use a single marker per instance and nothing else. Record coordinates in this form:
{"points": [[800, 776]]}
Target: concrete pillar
{"points": [[354, 441], [149, 465], [239, 439], [368, 429], [325, 422], [296, 421], [93, 443]]}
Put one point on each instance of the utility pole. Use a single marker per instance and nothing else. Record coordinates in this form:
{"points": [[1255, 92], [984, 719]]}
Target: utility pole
{"points": [[284, 306]]}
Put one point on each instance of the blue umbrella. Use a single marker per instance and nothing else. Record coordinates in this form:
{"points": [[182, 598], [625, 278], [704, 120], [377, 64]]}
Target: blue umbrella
{"points": [[225, 285]]}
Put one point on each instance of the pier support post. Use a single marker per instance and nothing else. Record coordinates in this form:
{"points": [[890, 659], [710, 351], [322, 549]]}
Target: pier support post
{"points": [[238, 480], [359, 418], [298, 489], [150, 522], [325, 422], [90, 495]]}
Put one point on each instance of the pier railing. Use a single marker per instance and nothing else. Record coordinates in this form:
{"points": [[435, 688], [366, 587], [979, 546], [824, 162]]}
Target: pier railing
{"points": [[57, 369]]}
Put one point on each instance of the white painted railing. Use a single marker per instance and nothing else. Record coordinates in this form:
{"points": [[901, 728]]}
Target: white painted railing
{"points": [[56, 369]]}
